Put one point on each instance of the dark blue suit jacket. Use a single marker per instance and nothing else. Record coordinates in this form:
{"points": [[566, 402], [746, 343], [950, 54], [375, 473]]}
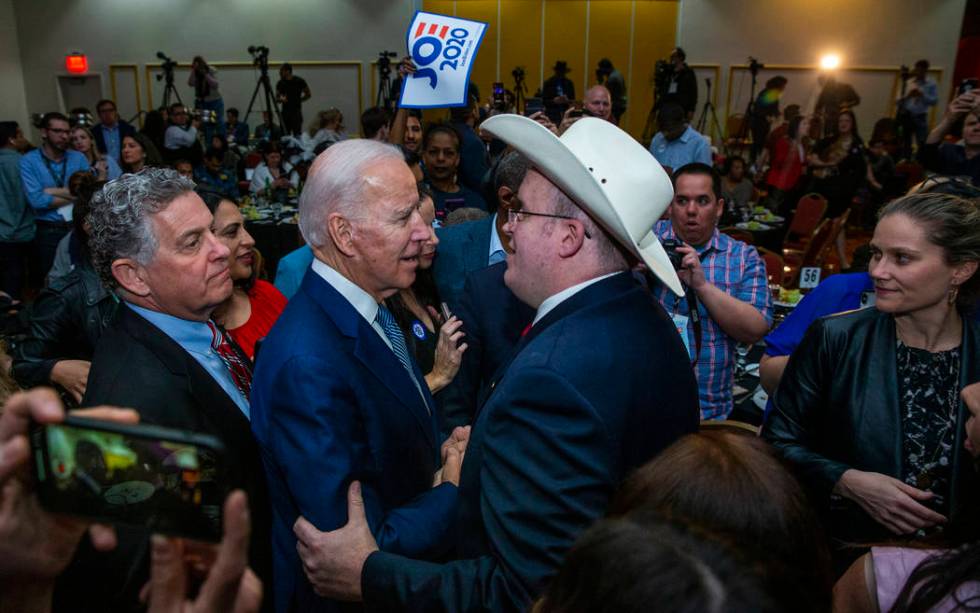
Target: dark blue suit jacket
{"points": [[493, 319], [330, 404], [462, 249], [598, 387], [125, 130]]}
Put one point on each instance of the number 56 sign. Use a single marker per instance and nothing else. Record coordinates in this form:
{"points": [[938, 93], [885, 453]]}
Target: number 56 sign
{"points": [[443, 49]]}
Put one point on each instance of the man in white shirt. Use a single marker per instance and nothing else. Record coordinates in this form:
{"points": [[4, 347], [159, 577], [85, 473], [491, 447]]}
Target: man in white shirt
{"points": [[181, 134]]}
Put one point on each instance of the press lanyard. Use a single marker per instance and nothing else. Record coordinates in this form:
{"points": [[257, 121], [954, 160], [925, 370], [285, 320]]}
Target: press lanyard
{"points": [[58, 180]]}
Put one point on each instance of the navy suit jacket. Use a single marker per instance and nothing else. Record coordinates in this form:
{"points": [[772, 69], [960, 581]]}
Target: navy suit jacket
{"points": [[330, 404], [125, 129], [493, 319], [462, 249], [598, 386]]}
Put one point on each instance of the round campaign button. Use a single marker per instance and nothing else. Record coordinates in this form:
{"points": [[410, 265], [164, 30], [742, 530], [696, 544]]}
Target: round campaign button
{"points": [[418, 330]]}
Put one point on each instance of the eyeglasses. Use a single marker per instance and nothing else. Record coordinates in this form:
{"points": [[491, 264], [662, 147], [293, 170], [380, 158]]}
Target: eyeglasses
{"points": [[516, 214]]}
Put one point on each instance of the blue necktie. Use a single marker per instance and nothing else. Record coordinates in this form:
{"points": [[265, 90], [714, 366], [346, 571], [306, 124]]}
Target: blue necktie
{"points": [[387, 322]]}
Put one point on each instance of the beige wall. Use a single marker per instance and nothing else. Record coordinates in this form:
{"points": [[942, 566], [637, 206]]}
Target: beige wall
{"points": [[13, 103], [871, 33], [132, 31]]}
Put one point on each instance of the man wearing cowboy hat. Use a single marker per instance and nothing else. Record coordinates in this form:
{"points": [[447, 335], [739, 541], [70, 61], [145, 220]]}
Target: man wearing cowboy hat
{"points": [[599, 384], [558, 92]]}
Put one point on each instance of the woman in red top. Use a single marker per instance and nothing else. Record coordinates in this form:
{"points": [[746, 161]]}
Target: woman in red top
{"points": [[788, 158], [254, 304]]}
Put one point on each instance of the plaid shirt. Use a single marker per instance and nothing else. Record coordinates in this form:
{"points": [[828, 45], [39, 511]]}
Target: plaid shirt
{"points": [[737, 269]]}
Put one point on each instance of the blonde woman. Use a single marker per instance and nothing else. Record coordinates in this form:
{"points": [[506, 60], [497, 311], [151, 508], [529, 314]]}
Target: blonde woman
{"points": [[103, 166]]}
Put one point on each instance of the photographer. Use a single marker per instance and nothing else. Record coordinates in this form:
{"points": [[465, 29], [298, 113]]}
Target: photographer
{"points": [[683, 86], [607, 75], [36, 546], [725, 276], [920, 94], [956, 158], [204, 80], [558, 92], [292, 92]]}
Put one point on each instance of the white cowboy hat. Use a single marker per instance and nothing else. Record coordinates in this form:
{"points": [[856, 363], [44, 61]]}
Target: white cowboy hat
{"points": [[607, 173]]}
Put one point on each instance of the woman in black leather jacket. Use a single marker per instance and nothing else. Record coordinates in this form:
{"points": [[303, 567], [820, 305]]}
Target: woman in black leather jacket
{"points": [[868, 411], [67, 319]]}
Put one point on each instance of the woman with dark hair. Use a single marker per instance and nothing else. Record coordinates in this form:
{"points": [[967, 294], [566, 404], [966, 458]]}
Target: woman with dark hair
{"points": [[867, 411], [68, 316], [733, 485], [440, 157], [839, 167], [254, 305], [416, 309], [154, 128], [204, 79], [654, 566], [273, 172], [137, 152], [736, 188]]}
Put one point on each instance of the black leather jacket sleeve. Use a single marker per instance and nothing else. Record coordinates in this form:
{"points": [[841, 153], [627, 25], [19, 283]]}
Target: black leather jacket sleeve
{"points": [[51, 329], [798, 423]]}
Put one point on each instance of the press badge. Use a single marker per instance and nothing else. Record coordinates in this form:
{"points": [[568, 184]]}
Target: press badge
{"points": [[680, 322]]}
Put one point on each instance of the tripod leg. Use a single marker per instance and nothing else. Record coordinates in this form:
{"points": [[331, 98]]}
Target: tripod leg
{"points": [[251, 102]]}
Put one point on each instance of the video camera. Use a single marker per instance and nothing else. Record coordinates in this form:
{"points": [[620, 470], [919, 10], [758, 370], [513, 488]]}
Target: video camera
{"points": [[384, 61], [755, 66], [167, 65], [260, 55], [518, 73]]}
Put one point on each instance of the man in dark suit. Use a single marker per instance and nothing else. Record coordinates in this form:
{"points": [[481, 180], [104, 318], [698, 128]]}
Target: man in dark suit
{"points": [[163, 356], [471, 246], [337, 395], [110, 130], [598, 385], [493, 320]]}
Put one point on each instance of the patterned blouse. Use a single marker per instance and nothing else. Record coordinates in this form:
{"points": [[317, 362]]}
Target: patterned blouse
{"points": [[928, 385]]}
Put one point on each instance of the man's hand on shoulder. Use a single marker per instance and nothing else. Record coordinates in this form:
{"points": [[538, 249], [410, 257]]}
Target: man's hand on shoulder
{"points": [[333, 560]]}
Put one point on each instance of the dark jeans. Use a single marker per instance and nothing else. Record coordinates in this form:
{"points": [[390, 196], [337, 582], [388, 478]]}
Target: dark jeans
{"points": [[46, 240], [292, 120], [13, 265]]}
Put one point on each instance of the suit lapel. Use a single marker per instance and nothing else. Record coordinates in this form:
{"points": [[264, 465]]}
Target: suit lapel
{"points": [[219, 409], [372, 352], [597, 291]]}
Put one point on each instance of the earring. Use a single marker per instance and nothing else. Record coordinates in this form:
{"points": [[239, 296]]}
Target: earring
{"points": [[954, 291]]}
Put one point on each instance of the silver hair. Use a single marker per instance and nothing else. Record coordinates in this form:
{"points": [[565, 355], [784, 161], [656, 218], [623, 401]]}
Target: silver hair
{"points": [[608, 250], [119, 217], [336, 183]]}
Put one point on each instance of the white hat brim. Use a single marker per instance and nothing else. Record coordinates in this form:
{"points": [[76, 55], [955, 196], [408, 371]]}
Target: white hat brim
{"points": [[553, 159]]}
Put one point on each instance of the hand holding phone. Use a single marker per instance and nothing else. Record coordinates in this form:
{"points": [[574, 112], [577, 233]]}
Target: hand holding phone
{"points": [[168, 481]]}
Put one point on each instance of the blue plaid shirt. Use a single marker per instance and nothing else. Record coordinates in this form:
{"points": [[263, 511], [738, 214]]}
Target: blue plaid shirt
{"points": [[737, 269]]}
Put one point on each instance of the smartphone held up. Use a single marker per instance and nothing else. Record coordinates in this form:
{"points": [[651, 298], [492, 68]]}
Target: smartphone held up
{"points": [[168, 481]]}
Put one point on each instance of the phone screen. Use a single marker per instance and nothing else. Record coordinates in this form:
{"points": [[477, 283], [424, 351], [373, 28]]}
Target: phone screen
{"points": [[165, 480], [533, 106]]}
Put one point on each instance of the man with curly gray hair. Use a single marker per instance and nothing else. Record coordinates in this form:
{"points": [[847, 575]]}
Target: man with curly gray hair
{"points": [[152, 243]]}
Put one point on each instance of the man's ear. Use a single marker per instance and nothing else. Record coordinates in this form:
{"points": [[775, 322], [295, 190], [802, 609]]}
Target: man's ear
{"points": [[572, 237], [505, 196], [129, 274], [341, 233]]}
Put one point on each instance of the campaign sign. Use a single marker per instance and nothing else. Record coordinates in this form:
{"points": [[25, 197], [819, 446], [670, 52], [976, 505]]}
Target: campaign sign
{"points": [[443, 49]]}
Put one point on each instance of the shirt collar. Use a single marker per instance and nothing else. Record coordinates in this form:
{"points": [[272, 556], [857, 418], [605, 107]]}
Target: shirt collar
{"points": [[362, 301], [687, 135], [193, 336], [553, 301], [495, 244]]}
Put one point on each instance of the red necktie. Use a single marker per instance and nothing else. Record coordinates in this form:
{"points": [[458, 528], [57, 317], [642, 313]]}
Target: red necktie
{"points": [[526, 330], [238, 365]]}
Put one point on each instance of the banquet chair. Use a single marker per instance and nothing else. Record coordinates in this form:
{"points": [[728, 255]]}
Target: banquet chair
{"points": [[774, 262], [809, 211], [740, 235]]}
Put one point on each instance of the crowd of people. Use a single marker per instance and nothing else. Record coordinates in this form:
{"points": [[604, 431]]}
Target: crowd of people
{"points": [[500, 373]]}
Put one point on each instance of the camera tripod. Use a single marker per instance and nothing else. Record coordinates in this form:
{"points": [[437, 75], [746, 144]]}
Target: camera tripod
{"points": [[520, 90], [708, 113], [754, 67], [271, 106], [169, 89]]}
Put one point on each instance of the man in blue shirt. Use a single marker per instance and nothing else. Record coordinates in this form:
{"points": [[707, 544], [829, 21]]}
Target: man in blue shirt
{"points": [[16, 216], [45, 173], [677, 143], [920, 95], [215, 177], [111, 130]]}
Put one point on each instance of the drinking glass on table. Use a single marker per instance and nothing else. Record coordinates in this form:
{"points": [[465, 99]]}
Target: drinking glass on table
{"points": [[742, 349]]}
